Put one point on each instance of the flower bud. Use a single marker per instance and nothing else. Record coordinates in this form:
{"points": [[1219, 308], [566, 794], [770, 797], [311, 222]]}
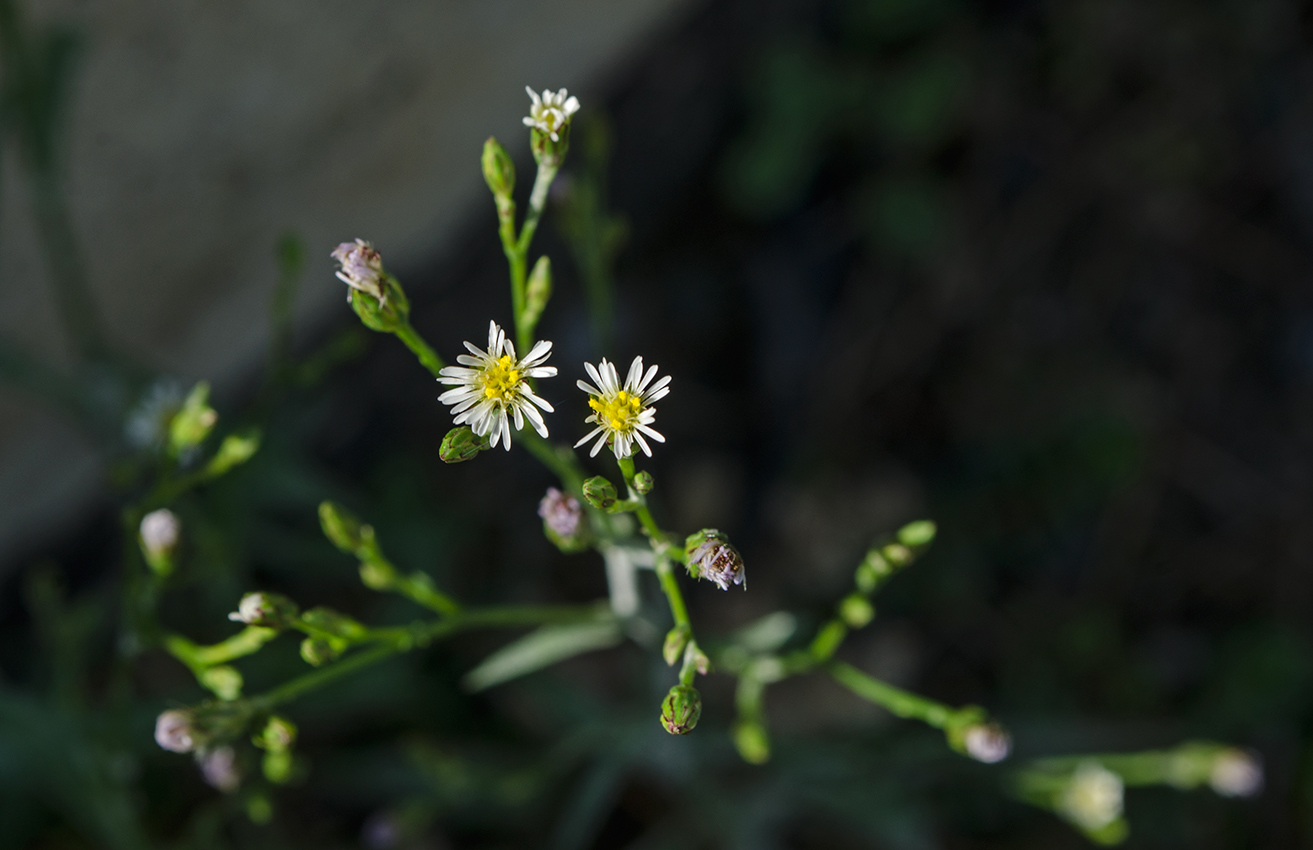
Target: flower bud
{"points": [[461, 444], [377, 575], [223, 681], [917, 534], [563, 521], [387, 315], [277, 766], [710, 556], [265, 609], [1236, 773], [158, 534], [549, 118], [498, 169], [643, 483], [987, 742], [219, 769], [316, 651], [752, 742], [856, 610], [343, 529], [1093, 797], [676, 640], [681, 709], [599, 493], [537, 291], [175, 730], [278, 734], [193, 422], [235, 450], [897, 554], [333, 623]]}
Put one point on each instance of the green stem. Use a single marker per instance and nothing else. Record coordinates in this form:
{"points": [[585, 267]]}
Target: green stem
{"points": [[897, 701], [517, 250], [670, 586], [560, 460], [428, 358], [508, 616], [245, 642]]}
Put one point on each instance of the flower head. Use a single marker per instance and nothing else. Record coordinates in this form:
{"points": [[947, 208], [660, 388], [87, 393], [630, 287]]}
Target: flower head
{"points": [[987, 742], [623, 414], [159, 532], [551, 112], [219, 768], [1093, 797], [1236, 773], [560, 512], [710, 555], [491, 387], [362, 267], [175, 730]]}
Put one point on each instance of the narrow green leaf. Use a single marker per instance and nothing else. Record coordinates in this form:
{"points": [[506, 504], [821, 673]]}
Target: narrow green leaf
{"points": [[542, 648]]}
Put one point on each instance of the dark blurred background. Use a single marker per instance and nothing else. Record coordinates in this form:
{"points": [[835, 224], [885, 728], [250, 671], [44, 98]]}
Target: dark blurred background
{"points": [[1038, 271]]}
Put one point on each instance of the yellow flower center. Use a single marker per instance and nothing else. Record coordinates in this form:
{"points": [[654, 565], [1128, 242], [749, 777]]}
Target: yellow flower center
{"points": [[618, 413], [502, 379]]}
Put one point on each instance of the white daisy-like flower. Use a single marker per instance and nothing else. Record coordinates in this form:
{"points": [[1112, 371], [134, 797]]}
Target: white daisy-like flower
{"points": [[362, 267], [623, 414], [492, 387], [550, 112]]}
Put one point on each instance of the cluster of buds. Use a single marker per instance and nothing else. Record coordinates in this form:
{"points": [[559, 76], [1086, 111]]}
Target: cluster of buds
{"points": [[709, 555]]}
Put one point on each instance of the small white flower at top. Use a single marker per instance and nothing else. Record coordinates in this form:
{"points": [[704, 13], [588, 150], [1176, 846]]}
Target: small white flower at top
{"points": [[623, 414], [362, 267], [492, 387], [550, 112]]}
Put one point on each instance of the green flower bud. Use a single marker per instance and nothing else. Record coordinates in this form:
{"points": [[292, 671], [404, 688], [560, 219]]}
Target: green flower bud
{"points": [[259, 808], [709, 555], [277, 766], [343, 529], [917, 534], [265, 609], [752, 742], [676, 639], [318, 650], [897, 554], [643, 483], [377, 576], [599, 493], [278, 734], [235, 450], [856, 610], [461, 444], [193, 423], [537, 291], [333, 624], [681, 709], [223, 681], [498, 169]]}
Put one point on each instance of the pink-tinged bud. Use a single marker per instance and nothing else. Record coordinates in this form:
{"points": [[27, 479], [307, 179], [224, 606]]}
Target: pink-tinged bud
{"points": [[1236, 773], [560, 512], [175, 730], [219, 769], [987, 742]]}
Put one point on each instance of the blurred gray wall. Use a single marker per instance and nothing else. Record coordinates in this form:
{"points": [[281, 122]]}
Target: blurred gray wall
{"points": [[200, 131]]}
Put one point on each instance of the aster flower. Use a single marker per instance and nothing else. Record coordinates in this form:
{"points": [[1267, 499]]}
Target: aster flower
{"points": [[623, 414], [362, 267], [551, 112], [1093, 797], [491, 387]]}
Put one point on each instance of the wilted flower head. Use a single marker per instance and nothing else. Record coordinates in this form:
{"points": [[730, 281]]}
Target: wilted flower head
{"points": [[551, 112], [623, 414], [711, 556], [492, 387], [175, 730], [1236, 773], [361, 267], [219, 768], [159, 532], [987, 742], [560, 512], [1093, 797]]}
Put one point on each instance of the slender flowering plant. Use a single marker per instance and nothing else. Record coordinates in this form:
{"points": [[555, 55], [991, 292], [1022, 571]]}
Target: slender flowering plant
{"points": [[493, 389]]}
